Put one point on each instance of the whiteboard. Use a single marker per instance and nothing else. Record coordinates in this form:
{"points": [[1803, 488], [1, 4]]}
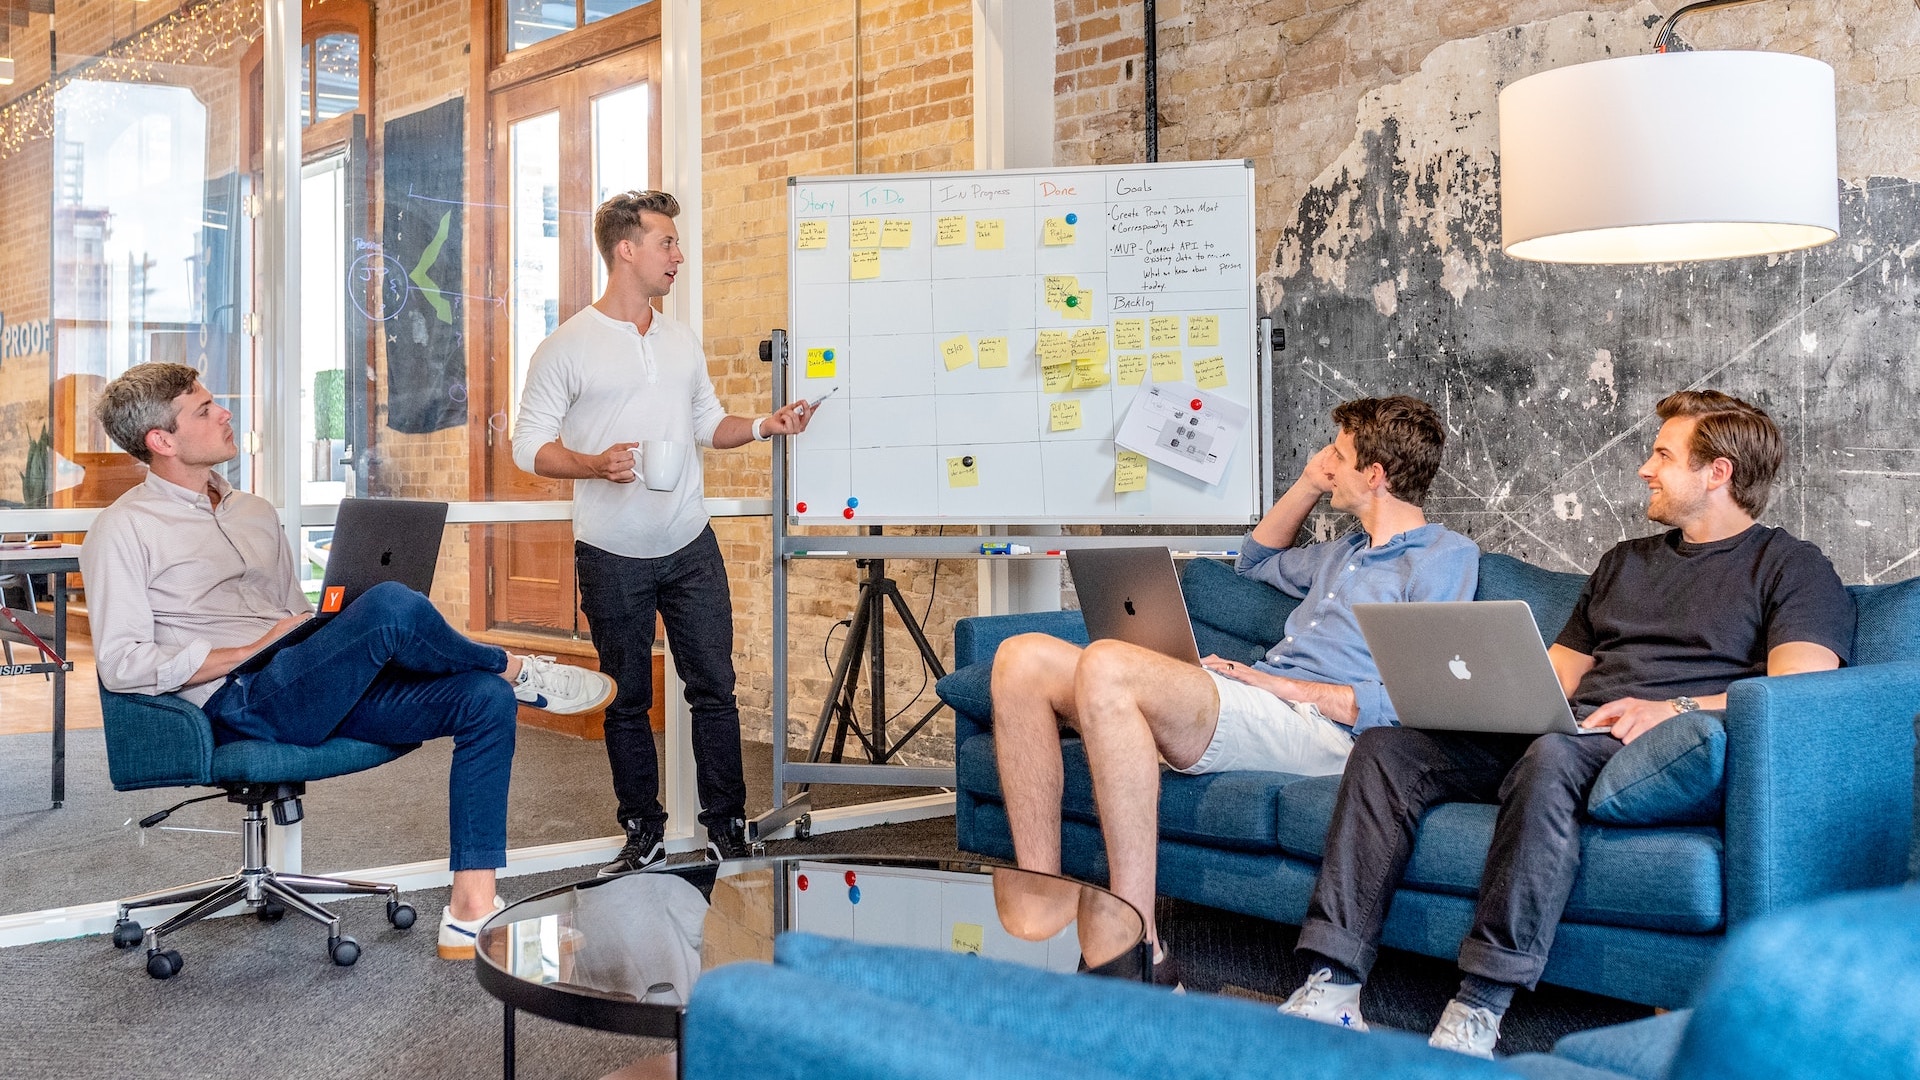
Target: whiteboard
{"points": [[937, 307]]}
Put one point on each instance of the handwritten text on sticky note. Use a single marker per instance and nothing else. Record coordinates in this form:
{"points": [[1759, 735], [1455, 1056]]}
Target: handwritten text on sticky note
{"points": [[950, 230], [1203, 330], [1065, 415], [1056, 378], [865, 265], [1054, 347], [813, 235], [968, 938], [1089, 372], [989, 234], [1210, 374], [863, 233], [1130, 368], [1164, 332], [957, 352], [1166, 366], [1056, 232], [1129, 333], [896, 233], [993, 352], [1129, 472], [963, 472], [819, 364]]}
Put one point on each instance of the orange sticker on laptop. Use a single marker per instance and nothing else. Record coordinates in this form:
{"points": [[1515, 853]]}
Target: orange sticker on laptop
{"points": [[330, 603]]}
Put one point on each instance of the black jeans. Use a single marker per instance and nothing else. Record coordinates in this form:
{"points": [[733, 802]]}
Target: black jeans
{"points": [[1393, 777], [689, 591]]}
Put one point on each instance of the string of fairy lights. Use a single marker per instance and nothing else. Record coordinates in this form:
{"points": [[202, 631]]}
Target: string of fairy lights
{"points": [[196, 35]]}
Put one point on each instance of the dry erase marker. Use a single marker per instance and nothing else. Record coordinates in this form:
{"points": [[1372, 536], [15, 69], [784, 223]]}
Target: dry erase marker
{"points": [[815, 403]]}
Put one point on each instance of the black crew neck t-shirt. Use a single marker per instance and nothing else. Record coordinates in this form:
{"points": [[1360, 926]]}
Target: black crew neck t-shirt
{"points": [[1664, 618]]}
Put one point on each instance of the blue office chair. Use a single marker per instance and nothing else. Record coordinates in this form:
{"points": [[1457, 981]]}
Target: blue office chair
{"points": [[166, 742]]}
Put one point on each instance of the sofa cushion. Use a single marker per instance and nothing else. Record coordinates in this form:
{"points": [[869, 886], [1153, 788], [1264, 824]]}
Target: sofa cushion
{"points": [[1232, 810], [1550, 594], [1674, 774], [1641, 1049], [1235, 617], [1889, 626], [1657, 879], [969, 691]]}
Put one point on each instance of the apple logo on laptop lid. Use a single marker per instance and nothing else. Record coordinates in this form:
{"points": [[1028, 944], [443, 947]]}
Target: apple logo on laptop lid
{"points": [[1459, 668]]}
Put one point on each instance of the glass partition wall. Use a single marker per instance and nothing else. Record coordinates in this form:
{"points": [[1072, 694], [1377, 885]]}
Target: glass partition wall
{"points": [[366, 307]]}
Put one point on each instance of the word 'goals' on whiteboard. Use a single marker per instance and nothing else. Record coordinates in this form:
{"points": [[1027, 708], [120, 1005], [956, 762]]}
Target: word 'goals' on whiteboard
{"points": [[986, 334]]}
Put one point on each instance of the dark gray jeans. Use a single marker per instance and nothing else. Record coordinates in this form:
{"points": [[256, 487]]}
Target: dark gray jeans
{"points": [[1393, 777], [689, 591]]}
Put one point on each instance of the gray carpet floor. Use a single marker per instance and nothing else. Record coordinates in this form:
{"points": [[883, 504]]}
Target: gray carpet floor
{"points": [[90, 850]]}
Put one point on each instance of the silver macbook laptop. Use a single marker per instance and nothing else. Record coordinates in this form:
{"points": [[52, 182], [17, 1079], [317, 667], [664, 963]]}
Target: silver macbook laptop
{"points": [[1133, 595], [1469, 665], [374, 540]]}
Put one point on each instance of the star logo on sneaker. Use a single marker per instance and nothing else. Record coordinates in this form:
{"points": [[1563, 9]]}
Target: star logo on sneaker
{"points": [[1346, 1019]]}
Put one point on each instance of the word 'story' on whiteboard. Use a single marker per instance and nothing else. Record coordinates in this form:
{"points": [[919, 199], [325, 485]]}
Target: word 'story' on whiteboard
{"points": [[986, 333]]}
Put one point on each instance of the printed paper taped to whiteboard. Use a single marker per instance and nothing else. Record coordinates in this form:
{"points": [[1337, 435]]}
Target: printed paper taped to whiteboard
{"points": [[1163, 425]]}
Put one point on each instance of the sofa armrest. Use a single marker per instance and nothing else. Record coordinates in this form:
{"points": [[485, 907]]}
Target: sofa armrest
{"points": [[155, 741], [1819, 786], [978, 638]]}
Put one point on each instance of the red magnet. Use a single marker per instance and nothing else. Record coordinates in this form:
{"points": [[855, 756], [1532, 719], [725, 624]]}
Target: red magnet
{"points": [[847, 513], [800, 507], [851, 877], [1196, 404], [802, 882]]}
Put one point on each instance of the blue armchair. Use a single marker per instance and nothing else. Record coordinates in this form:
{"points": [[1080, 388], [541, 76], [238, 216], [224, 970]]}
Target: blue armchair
{"points": [[155, 742]]}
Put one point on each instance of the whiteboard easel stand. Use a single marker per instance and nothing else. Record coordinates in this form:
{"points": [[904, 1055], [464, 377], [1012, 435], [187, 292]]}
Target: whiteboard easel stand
{"points": [[796, 811]]}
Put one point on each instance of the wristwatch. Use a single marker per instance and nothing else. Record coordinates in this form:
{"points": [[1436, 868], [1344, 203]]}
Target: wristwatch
{"points": [[1683, 704]]}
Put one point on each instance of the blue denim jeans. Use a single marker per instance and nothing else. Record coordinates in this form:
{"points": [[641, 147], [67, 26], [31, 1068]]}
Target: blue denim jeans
{"points": [[389, 670], [689, 591]]}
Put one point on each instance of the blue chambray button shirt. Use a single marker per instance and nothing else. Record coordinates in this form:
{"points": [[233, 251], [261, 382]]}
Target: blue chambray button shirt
{"points": [[1323, 642]]}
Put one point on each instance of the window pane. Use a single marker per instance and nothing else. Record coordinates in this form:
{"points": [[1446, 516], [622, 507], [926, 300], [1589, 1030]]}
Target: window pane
{"points": [[337, 83], [323, 340], [306, 85], [600, 9], [530, 22], [620, 141], [534, 209]]}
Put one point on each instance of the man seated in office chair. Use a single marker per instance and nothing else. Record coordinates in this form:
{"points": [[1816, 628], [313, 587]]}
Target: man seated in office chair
{"points": [[187, 577], [1295, 711]]}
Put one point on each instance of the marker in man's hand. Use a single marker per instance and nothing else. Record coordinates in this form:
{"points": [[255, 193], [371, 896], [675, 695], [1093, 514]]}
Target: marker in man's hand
{"points": [[815, 403]]}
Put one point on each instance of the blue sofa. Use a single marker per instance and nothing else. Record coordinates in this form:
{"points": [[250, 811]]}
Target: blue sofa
{"points": [[1830, 991], [1818, 796]]}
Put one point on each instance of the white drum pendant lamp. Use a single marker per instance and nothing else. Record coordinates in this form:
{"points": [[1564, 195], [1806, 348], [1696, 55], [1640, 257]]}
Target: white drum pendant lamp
{"points": [[1670, 157]]}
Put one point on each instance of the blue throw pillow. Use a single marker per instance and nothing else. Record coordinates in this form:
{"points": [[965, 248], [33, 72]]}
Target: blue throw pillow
{"points": [[1673, 775], [1889, 627], [969, 691]]}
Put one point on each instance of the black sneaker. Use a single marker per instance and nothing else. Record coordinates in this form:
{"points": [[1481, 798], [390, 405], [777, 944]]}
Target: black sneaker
{"points": [[728, 840], [646, 845]]}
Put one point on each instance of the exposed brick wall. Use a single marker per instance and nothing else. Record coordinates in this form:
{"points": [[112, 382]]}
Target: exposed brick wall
{"points": [[779, 103]]}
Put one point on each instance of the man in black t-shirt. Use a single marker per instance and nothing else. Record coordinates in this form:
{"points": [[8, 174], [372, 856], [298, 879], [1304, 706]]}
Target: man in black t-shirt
{"points": [[1664, 624]]}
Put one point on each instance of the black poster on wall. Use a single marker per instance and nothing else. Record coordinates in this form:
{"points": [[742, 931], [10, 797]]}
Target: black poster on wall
{"points": [[421, 306]]}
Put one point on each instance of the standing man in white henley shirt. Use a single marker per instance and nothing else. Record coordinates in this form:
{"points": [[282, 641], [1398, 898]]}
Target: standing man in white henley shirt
{"points": [[614, 375]]}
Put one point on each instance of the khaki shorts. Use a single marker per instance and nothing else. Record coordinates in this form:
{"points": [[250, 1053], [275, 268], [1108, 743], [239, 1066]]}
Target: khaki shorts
{"points": [[1258, 731]]}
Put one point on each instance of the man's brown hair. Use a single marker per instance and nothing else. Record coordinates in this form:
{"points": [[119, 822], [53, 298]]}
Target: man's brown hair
{"points": [[1743, 433], [616, 218], [1403, 434], [141, 400]]}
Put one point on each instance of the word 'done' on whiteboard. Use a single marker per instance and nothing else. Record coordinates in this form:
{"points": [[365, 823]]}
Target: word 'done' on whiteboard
{"points": [[987, 332]]}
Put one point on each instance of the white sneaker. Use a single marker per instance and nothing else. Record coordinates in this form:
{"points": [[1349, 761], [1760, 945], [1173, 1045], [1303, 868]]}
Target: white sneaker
{"points": [[457, 936], [1466, 1029], [560, 688], [1324, 1001]]}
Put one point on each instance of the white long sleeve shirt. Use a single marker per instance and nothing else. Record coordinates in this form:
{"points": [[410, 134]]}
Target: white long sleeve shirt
{"points": [[597, 381]]}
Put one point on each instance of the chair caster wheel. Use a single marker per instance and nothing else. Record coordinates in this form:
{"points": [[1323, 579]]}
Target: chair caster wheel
{"points": [[344, 950], [803, 827], [271, 911], [127, 934], [400, 915], [163, 964]]}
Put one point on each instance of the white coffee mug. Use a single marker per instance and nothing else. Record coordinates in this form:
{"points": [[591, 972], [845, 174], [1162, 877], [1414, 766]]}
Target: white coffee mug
{"points": [[660, 463]]}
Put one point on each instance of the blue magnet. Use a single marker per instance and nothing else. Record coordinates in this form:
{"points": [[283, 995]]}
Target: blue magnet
{"points": [[853, 895], [828, 354], [852, 502], [1073, 219]]}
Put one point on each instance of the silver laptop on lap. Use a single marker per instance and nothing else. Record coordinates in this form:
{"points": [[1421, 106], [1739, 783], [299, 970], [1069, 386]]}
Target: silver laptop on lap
{"points": [[1132, 594], [1468, 665]]}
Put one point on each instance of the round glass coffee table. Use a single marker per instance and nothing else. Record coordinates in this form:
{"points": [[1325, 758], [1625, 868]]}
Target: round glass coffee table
{"points": [[623, 953]]}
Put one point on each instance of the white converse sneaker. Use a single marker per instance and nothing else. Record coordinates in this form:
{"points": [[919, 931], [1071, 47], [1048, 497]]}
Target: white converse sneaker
{"points": [[561, 688], [458, 935], [1466, 1029], [1322, 1000]]}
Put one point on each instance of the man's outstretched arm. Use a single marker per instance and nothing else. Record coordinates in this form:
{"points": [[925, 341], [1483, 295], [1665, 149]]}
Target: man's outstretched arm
{"points": [[1336, 701]]}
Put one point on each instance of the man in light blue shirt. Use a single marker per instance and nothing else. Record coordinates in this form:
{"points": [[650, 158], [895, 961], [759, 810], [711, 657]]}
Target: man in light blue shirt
{"points": [[1295, 711]]}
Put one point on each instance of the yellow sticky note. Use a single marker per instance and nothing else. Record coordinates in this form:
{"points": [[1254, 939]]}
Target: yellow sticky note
{"points": [[1054, 347], [1057, 288], [1056, 232], [866, 265], [1166, 367], [957, 352], [950, 230], [968, 937], [1089, 372], [863, 233], [1129, 472], [813, 235], [1090, 341], [993, 352], [1210, 374], [963, 472], [896, 233], [1130, 333], [1203, 330], [1066, 415], [989, 234], [1131, 367], [1056, 378], [1163, 331], [1080, 305], [820, 363]]}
